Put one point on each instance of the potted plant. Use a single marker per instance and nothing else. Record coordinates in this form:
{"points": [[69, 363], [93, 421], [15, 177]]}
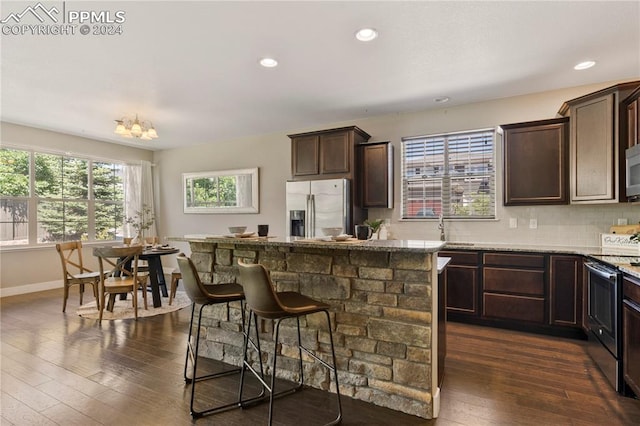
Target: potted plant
{"points": [[375, 225], [141, 221]]}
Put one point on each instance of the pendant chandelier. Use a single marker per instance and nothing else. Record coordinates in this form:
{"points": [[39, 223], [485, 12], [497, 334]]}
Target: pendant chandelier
{"points": [[128, 128]]}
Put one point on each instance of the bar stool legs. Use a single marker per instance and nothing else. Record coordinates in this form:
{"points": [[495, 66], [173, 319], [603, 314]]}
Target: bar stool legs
{"points": [[192, 359], [271, 387]]}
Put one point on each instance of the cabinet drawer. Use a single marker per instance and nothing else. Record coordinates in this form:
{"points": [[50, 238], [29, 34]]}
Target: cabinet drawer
{"points": [[519, 281], [461, 257], [513, 307], [514, 260]]}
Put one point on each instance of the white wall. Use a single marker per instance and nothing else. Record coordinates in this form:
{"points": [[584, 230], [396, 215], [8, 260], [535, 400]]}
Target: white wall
{"points": [[39, 268]]}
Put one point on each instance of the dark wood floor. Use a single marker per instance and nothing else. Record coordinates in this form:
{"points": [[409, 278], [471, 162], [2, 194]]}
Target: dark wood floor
{"points": [[61, 369]]}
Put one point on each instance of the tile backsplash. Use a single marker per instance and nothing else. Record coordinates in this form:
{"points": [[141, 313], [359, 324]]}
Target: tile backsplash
{"points": [[571, 225]]}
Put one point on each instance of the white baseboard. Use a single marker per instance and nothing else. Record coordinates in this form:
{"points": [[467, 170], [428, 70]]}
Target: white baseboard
{"points": [[30, 288]]}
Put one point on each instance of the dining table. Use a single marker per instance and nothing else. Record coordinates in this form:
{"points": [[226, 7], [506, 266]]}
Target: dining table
{"points": [[153, 257]]}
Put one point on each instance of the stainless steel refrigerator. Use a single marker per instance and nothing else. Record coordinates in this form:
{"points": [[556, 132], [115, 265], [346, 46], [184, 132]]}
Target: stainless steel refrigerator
{"points": [[316, 204]]}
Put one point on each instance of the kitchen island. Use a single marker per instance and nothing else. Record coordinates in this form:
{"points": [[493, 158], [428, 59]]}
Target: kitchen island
{"points": [[384, 310]]}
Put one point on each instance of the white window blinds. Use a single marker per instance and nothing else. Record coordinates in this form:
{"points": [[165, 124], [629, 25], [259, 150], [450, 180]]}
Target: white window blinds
{"points": [[450, 174]]}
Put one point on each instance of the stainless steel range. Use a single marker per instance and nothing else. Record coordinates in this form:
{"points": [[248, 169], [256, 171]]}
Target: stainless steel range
{"points": [[604, 307], [604, 311]]}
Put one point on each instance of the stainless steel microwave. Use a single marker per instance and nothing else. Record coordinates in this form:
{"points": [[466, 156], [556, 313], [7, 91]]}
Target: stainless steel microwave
{"points": [[633, 173]]}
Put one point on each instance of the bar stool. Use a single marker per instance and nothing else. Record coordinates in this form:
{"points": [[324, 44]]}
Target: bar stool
{"points": [[205, 295], [263, 301]]}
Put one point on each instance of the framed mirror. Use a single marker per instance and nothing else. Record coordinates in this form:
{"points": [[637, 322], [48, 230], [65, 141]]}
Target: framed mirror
{"points": [[226, 191]]}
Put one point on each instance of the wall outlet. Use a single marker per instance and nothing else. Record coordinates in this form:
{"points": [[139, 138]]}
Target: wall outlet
{"points": [[623, 221], [513, 222], [533, 223]]}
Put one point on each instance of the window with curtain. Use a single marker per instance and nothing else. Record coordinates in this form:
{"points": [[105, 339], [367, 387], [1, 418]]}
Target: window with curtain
{"points": [[50, 197], [450, 174]]}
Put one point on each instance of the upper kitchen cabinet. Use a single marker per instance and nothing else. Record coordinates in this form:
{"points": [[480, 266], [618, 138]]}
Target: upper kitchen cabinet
{"points": [[598, 136], [536, 162], [632, 104], [376, 182], [326, 154]]}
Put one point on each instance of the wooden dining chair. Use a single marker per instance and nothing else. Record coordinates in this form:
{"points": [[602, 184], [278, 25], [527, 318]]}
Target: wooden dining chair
{"points": [[119, 273], [74, 272]]}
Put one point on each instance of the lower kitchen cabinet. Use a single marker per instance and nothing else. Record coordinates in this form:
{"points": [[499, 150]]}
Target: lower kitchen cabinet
{"points": [[631, 333], [463, 279], [537, 292], [513, 286], [565, 290]]}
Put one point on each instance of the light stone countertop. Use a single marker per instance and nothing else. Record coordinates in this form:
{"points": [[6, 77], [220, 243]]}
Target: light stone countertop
{"points": [[364, 245], [420, 246]]}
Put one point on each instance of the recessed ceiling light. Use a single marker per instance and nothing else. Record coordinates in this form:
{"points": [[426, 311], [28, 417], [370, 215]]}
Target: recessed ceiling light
{"points": [[268, 62], [584, 65], [441, 99], [366, 34]]}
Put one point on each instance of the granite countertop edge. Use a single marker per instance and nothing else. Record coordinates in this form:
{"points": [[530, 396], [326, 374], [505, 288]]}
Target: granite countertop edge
{"points": [[594, 252], [421, 246]]}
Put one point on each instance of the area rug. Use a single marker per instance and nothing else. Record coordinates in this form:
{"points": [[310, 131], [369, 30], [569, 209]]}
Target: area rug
{"points": [[124, 310]]}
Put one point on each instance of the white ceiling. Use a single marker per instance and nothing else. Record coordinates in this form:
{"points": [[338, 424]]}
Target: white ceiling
{"points": [[191, 67]]}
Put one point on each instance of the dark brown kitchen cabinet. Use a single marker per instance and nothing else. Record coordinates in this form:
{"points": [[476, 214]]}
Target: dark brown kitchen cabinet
{"points": [[326, 154], [633, 119], [565, 290], [598, 136], [536, 162], [463, 280], [377, 175], [513, 287], [631, 333]]}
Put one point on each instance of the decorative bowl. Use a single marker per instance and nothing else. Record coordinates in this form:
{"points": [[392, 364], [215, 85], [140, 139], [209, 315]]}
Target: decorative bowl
{"points": [[331, 232], [237, 229]]}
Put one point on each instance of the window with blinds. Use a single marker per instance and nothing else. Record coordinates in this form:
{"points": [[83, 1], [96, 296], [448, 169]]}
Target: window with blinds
{"points": [[450, 174]]}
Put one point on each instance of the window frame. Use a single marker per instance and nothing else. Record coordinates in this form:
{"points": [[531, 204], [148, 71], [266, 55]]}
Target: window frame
{"points": [[33, 200], [442, 179]]}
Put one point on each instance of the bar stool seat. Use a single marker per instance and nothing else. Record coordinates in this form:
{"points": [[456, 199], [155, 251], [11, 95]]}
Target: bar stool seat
{"points": [[205, 295], [263, 301]]}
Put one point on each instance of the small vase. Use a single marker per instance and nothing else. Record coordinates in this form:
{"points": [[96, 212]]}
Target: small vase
{"points": [[136, 241]]}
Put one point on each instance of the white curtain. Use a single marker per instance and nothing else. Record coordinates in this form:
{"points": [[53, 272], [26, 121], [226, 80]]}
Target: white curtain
{"points": [[138, 184]]}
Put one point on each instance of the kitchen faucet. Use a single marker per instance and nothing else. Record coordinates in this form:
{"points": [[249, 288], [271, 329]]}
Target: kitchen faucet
{"points": [[441, 227]]}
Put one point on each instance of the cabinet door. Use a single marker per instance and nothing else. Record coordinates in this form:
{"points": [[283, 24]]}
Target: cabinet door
{"points": [[377, 184], [304, 158], [335, 149], [633, 124], [536, 163], [592, 150], [565, 292], [462, 289], [463, 280], [631, 345]]}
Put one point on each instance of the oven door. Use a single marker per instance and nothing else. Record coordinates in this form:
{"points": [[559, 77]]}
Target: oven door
{"points": [[603, 305]]}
